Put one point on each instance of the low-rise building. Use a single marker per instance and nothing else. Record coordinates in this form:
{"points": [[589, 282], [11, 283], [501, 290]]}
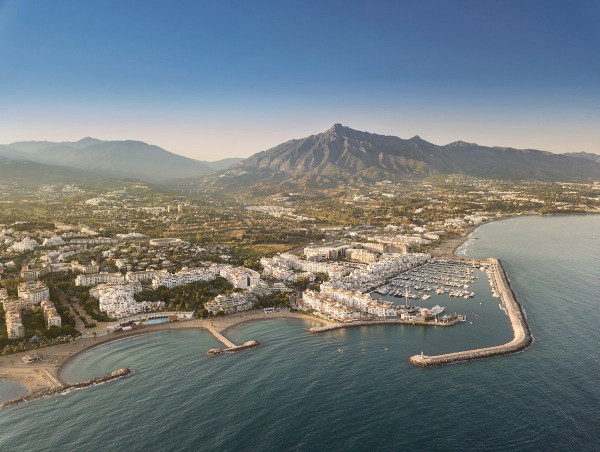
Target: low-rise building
{"points": [[236, 302], [85, 268], [100, 278]]}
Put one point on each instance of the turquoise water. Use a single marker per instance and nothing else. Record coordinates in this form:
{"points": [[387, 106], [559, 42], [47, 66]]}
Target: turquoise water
{"points": [[155, 321], [354, 389]]}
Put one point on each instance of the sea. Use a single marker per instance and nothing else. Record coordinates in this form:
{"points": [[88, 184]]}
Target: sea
{"points": [[354, 389]]}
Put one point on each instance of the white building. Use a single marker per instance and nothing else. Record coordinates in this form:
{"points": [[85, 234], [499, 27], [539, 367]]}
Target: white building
{"points": [[14, 324], [184, 277], [33, 292], [117, 300], [229, 304], [326, 251], [240, 277], [84, 268], [51, 316], [53, 241], [26, 244], [99, 278], [147, 275]]}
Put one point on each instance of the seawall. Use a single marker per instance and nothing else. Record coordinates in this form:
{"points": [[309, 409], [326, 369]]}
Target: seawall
{"points": [[337, 326], [522, 336]]}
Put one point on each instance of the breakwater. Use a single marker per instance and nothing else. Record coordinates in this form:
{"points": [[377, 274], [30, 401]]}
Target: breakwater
{"points": [[522, 336], [337, 326], [67, 387], [235, 348]]}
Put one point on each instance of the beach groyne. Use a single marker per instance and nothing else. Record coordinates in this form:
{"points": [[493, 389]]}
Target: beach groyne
{"points": [[522, 335], [337, 326], [61, 389]]}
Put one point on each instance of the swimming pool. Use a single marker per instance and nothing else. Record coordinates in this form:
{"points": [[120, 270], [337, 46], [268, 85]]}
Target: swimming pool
{"points": [[154, 321]]}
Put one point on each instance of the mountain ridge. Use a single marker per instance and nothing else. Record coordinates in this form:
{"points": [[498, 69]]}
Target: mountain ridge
{"points": [[119, 158], [343, 154]]}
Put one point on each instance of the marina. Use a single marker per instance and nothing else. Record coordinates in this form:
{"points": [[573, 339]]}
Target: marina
{"points": [[522, 336]]}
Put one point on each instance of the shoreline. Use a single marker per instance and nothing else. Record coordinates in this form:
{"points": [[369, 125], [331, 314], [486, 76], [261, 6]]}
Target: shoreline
{"points": [[46, 375]]}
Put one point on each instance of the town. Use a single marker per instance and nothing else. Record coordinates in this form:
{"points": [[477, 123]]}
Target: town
{"points": [[353, 254]]}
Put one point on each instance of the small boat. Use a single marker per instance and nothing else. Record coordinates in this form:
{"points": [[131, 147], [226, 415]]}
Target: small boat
{"points": [[470, 323]]}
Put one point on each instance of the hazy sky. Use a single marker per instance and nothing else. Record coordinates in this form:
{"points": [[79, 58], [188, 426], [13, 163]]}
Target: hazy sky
{"points": [[214, 79]]}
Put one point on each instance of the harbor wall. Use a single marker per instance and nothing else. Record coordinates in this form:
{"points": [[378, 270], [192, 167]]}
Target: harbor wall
{"points": [[522, 335], [337, 326]]}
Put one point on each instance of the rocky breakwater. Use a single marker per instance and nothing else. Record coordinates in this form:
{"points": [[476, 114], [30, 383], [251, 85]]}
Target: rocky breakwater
{"points": [[245, 346], [68, 387], [522, 336]]}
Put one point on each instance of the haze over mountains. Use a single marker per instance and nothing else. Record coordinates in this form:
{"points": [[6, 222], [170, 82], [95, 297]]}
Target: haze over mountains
{"points": [[338, 155], [118, 159]]}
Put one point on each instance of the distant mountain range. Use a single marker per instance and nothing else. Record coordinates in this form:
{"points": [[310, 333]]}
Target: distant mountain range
{"points": [[344, 154], [338, 155], [118, 159]]}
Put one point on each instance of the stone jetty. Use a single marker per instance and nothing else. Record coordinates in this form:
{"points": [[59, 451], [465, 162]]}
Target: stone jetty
{"points": [[236, 348], [230, 346], [522, 336], [63, 388]]}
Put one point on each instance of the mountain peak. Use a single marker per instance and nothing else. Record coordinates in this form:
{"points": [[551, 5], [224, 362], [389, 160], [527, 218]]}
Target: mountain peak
{"points": [[88, 141], [337, 128], [461, 144]]}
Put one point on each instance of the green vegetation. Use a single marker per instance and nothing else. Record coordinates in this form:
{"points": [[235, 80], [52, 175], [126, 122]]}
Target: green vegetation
{"points": [[190, 297], [272, 300]]}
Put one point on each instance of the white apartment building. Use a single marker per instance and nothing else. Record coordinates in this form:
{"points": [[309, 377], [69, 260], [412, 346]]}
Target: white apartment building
{"points": [[117, 300], [87, 269], [147, 275], [14, 324], [33, 292], [326, 251], [184, 277], [236, 302], [51, 316], [99, 278], [26, 244], [240, 277]]}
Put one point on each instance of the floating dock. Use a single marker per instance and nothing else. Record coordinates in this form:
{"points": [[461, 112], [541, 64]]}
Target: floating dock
{"points": [[522, 336]]}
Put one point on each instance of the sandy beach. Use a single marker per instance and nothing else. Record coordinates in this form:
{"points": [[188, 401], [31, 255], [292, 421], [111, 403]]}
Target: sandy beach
{"points": [[45, 373]]}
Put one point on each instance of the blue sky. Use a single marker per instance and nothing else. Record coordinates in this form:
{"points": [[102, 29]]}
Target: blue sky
{"points": [[213, 79]]}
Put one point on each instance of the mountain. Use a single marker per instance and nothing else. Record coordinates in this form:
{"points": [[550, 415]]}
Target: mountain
{"points": [[7, 152], [32, 174], [120, 159], [585, 155], [343, 154], [223, 164]]}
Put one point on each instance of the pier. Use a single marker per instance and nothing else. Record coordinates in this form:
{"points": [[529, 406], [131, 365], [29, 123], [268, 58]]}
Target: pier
{"points": [[522, 336], [231, 347]]}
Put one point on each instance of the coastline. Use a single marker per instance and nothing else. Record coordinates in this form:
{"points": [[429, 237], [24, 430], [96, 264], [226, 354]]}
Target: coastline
{"points": [[46, 374]]}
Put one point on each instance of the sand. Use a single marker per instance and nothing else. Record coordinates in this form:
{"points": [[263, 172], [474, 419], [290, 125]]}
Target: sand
{"points": [[45, 373]]}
